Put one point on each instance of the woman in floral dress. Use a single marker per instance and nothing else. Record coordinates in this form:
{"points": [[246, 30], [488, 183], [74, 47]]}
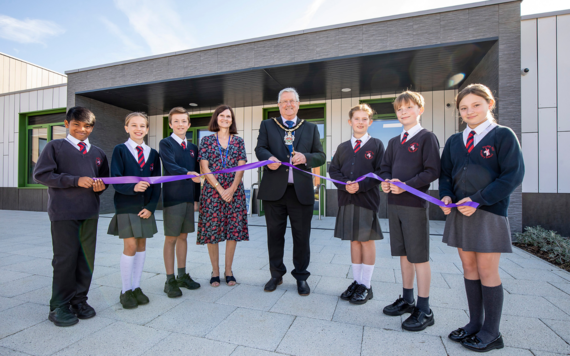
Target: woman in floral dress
{"points": [[223, 212]]}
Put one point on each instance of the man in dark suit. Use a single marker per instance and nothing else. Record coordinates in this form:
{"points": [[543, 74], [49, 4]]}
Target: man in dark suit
{"points": [[288, 192]]}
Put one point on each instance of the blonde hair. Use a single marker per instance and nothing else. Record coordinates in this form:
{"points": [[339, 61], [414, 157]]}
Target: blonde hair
{"points": [[135, 114], [481, 91], [177, 110], [361, 107], [409, 97]]}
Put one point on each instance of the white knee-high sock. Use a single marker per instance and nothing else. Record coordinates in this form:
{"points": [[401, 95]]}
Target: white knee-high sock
{"points": [[367, 271], [357, 272], [127, 271], [138, 268]]}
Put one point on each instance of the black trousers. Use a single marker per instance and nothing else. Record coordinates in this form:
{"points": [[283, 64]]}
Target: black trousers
{"points": [[73, 260], [276, 213]]}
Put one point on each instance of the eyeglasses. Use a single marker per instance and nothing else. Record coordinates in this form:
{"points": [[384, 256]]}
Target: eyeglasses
{"points": [[290, 102]]}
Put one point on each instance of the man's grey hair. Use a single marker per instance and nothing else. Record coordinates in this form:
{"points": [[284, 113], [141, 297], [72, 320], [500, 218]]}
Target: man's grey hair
{"points": [[288, 90]]}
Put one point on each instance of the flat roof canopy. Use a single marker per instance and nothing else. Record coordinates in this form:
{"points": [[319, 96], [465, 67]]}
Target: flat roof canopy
{"points": [[422, 69]]}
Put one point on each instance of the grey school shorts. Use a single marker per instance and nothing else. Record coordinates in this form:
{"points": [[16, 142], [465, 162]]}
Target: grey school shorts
{"points": [[178, 219], [409, 232]]}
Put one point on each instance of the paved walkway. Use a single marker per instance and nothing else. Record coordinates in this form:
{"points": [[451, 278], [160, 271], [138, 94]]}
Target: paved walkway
{"points": [[244, 320]]}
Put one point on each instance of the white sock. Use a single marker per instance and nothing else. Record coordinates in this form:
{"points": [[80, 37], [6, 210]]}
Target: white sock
{"points": [[127, 271], [367, 271], [138, 269], [357, 272]]}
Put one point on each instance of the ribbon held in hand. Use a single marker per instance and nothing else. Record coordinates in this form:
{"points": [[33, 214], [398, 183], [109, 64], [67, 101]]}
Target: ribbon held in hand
{"points": [[254, 165]]}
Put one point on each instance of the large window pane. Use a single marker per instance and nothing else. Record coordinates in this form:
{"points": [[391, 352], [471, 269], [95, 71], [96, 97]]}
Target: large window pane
{"points": [[385, 130], [37, 140], [202, 134], [58, 132]]}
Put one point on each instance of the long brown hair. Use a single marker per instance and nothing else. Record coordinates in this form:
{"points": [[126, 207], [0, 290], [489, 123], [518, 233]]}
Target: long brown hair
{"points": [[213, 126], [479, 90]]}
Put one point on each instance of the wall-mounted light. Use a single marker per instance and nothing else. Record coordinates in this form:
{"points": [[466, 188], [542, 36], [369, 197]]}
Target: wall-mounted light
{"points": [[193, 104], [346, 90], [525, 71]]}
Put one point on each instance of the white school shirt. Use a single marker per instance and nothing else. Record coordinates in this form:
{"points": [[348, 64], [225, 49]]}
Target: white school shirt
{"points": [[480, 132], [75, 142], [411, 132], [290, 180], [132, 146], [179, 140], [363, 140]]}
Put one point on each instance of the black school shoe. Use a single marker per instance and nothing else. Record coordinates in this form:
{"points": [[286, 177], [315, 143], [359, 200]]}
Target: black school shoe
{"points": [[172, 289], [83, 310], [399, 307], [361, 294], [347, 294], [418, 320], [128, 300], [459, 334], [473, 343], [62, 316], [140, 296], [187, 282]]}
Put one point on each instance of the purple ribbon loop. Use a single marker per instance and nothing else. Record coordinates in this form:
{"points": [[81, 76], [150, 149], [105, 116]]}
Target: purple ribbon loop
{"points": [[254, 165]]}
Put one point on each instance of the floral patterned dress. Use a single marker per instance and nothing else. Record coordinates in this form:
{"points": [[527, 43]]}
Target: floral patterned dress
{"points": [[219, 220]]}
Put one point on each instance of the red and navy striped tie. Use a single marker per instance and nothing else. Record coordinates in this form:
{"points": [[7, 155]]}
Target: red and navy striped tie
{"points": [[405, 137], [357, 146], [82, 147], [183, 145], [141, 156], [470, 141]]}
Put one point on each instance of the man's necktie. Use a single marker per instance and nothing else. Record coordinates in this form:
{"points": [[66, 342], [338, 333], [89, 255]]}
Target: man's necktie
{"points": [[290, 123]]}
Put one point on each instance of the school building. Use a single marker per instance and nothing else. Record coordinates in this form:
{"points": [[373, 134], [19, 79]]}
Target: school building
{"points": [[436, 52]]}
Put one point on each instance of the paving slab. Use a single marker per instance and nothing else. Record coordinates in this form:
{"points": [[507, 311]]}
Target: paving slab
{"points": [[21, 317], [7, 303], [248, 351], [455, 349], [46, 338], [179, 344], [561, 328], [253, 328], [319, 337], [143, 314], [7, 275], [532, 306], [24, 285], [318, 306], [118, 338], [369, 314], [524, 287], [531, 333], [251, 297], [389, 342], [192, 317], [9, 352]]}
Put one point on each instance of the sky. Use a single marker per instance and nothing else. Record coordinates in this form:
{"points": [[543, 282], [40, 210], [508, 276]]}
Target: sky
{"points": [[68, 34]]}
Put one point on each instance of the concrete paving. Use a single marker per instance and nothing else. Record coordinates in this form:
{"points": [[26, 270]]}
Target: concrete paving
{"points": [[244, 320]]}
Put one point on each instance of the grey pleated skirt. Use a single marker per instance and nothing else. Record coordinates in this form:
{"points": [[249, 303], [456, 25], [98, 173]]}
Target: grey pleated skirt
{"points": [[355, 223], [131, 225], [481, 232]]}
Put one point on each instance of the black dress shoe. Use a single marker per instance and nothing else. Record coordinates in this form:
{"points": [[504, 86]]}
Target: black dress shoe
{"points": [[83, 310], [361, 294], [272, 284], [459, 334], [140, 296], [303, 288], [62, 316], [399, 307], [128, 300], [418, 320], [473, 343], [172, 289], [347, 294]]}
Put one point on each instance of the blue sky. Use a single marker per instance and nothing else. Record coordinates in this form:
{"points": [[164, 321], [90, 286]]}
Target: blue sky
{"points": [[64, 35]]}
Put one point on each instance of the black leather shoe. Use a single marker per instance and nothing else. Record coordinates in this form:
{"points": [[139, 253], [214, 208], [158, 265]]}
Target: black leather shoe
{"points": [[459, 334], [83, 310], [272, 284], [140, 296], [172, 289], [62, 316], [473, 343], [361, 294], [303, 288], [187, 282], [399, 307], [128, 300], [347, 294], [418, 320]]}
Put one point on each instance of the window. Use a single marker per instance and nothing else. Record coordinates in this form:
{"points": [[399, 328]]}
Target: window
{"points": [[198, 129], [386, 124], [36, 130]]}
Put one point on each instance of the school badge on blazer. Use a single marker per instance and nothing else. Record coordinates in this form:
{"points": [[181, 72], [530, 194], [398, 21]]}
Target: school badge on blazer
{"points": [[487, 151], [152, 167], [413, 147], [98, 161], [369, 155], [191, 153]]}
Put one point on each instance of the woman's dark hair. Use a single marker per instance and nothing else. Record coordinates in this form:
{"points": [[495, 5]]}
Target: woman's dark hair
{"points": [[213, 126], [79, 113]]}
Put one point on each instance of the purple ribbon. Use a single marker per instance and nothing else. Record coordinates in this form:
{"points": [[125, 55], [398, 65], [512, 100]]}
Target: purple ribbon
{"points": [[254, 165]]}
